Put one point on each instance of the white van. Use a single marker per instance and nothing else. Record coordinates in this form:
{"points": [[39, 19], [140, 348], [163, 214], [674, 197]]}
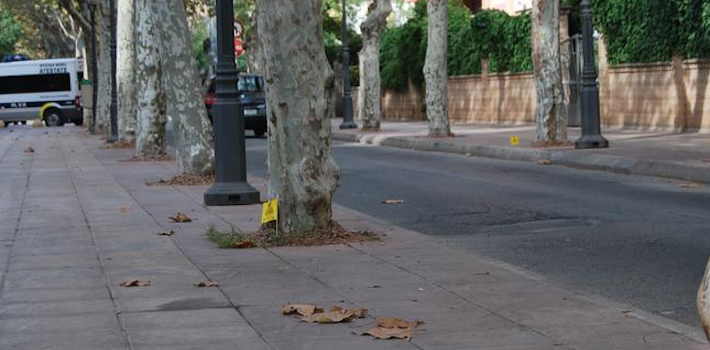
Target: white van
{"points": [[44, 89]]}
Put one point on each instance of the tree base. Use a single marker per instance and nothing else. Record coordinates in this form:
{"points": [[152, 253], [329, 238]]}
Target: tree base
{"points": [[235, 193]]}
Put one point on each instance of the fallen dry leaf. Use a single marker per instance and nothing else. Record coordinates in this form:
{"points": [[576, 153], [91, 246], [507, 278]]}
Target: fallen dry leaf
{"points": [[132, 282], [207, 284], [393, 328], [692, 185], [544, 162], [180, 217], [301, 309], [30, 150], [336, 315], [245, 244], [169, 233], [124, 210], [393, 201]]}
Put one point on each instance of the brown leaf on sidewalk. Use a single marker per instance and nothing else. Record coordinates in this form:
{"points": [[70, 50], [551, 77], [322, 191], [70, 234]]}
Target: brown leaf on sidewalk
{"points": [[168, 233], [245, 244], [336, 315], [30, 150], [180, 217], [691, 185], [132, 282], [301, 309], [544, 162], [124, 210], [207, 284], [393, 328], [393, 201]]}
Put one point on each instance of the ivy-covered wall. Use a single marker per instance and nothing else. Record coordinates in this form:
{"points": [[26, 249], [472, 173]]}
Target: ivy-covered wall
{"points": [[640, 31], [504, 40]]}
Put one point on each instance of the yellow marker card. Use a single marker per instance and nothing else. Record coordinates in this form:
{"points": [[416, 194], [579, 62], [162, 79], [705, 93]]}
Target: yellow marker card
{"points": [[514, 141], [270, 211]]}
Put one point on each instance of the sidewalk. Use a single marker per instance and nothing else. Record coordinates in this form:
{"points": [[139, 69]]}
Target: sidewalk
{"points": [[681, 156], [76, 219]]}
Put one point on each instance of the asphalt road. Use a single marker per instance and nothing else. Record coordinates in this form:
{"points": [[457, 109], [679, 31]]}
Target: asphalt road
{"points": [[641, 241]]}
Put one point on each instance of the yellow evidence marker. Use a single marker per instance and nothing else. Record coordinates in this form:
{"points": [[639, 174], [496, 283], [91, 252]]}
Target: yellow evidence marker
{"points": [[270, 211], [514, 141]]}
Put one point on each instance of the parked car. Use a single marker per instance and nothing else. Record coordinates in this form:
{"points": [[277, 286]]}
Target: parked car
{"points": [[252, 97]]}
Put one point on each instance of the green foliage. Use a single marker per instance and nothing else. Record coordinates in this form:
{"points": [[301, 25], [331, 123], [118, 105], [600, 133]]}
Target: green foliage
{"points": [[199, 35], [494, 35], [638, 31], [10, 33]]}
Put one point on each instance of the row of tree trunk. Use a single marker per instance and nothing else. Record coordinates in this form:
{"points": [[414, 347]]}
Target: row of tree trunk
{"points": [[156, 78], [551, 112]]}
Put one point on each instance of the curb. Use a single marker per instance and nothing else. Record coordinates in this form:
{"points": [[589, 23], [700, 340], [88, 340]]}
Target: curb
{"points": [[578, 160]]}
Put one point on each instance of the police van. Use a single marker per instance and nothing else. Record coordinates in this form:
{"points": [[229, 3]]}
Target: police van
{"points": [[44, 89]]}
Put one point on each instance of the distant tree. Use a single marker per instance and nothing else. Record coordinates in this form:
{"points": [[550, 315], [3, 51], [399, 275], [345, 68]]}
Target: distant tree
{"points": [[10, 32], [436, 69], [369, 100]]}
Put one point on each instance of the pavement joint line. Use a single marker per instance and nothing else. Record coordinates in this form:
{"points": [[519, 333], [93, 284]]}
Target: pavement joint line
{"points": [[116, 307], [19, 218], [191, 261]]}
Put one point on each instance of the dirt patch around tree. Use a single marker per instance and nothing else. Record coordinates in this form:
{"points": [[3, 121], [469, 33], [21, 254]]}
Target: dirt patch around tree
{"points": [[160, 158], [119, 145], [185, 180], [268, 236]]}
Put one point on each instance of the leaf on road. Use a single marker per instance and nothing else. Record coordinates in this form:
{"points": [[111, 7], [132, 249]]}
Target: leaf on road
{"points": [[300, 309], [691, 185], [124, 210], [132, 282], [207, 284], [393, 328], [393, 201], [336, 315], [544, 162], [169, 233], [180, 217], [30, 150]]}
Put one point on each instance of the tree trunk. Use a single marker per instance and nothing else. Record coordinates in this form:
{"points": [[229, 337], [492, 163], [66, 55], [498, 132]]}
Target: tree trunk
{"points": [[103, 102], [703, 301], [369, 99], [436, 70], [550, 113], [125, 77], [151, 118], [254, 61], [303, 173], [186, 105]]}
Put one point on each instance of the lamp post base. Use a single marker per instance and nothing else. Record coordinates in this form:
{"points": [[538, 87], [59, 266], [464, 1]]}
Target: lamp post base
{"points": [[234, 193], [348, 125], [591, 142]]}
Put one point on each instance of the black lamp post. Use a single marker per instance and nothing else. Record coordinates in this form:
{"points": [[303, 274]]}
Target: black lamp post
{"points": [[94, 68], [348, 122], [231, 186], [591, 129], [113, 135]]}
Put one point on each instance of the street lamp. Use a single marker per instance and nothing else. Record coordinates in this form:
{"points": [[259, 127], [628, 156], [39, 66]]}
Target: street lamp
{"points": [[231, 186], [113, 136], [589, 93], [94, 68], [348, 122]]}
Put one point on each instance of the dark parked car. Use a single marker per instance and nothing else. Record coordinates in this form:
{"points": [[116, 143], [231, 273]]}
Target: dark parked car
{"points": [[251, 95]]}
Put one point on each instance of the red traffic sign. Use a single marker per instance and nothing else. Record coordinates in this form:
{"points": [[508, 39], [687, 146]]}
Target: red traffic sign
{"points": [[239, 47]]}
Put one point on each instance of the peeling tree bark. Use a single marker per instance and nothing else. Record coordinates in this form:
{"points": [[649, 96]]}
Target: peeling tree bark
{"points": [[151, 118], [103, 102], [303, 173], [550, 113], [125, 76], [254, 59], [193, 132], [369, 99], [436, 70]]}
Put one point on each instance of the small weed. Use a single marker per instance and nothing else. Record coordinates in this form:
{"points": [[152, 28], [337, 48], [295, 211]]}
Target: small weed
{"points": [[228, 240]]}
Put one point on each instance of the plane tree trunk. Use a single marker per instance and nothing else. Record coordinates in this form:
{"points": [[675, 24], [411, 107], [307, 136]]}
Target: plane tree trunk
{"points": [[193, 132], [550, 113], [126, 65], [303, 174], [436, 72], [370, 105], [151, 118]]}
